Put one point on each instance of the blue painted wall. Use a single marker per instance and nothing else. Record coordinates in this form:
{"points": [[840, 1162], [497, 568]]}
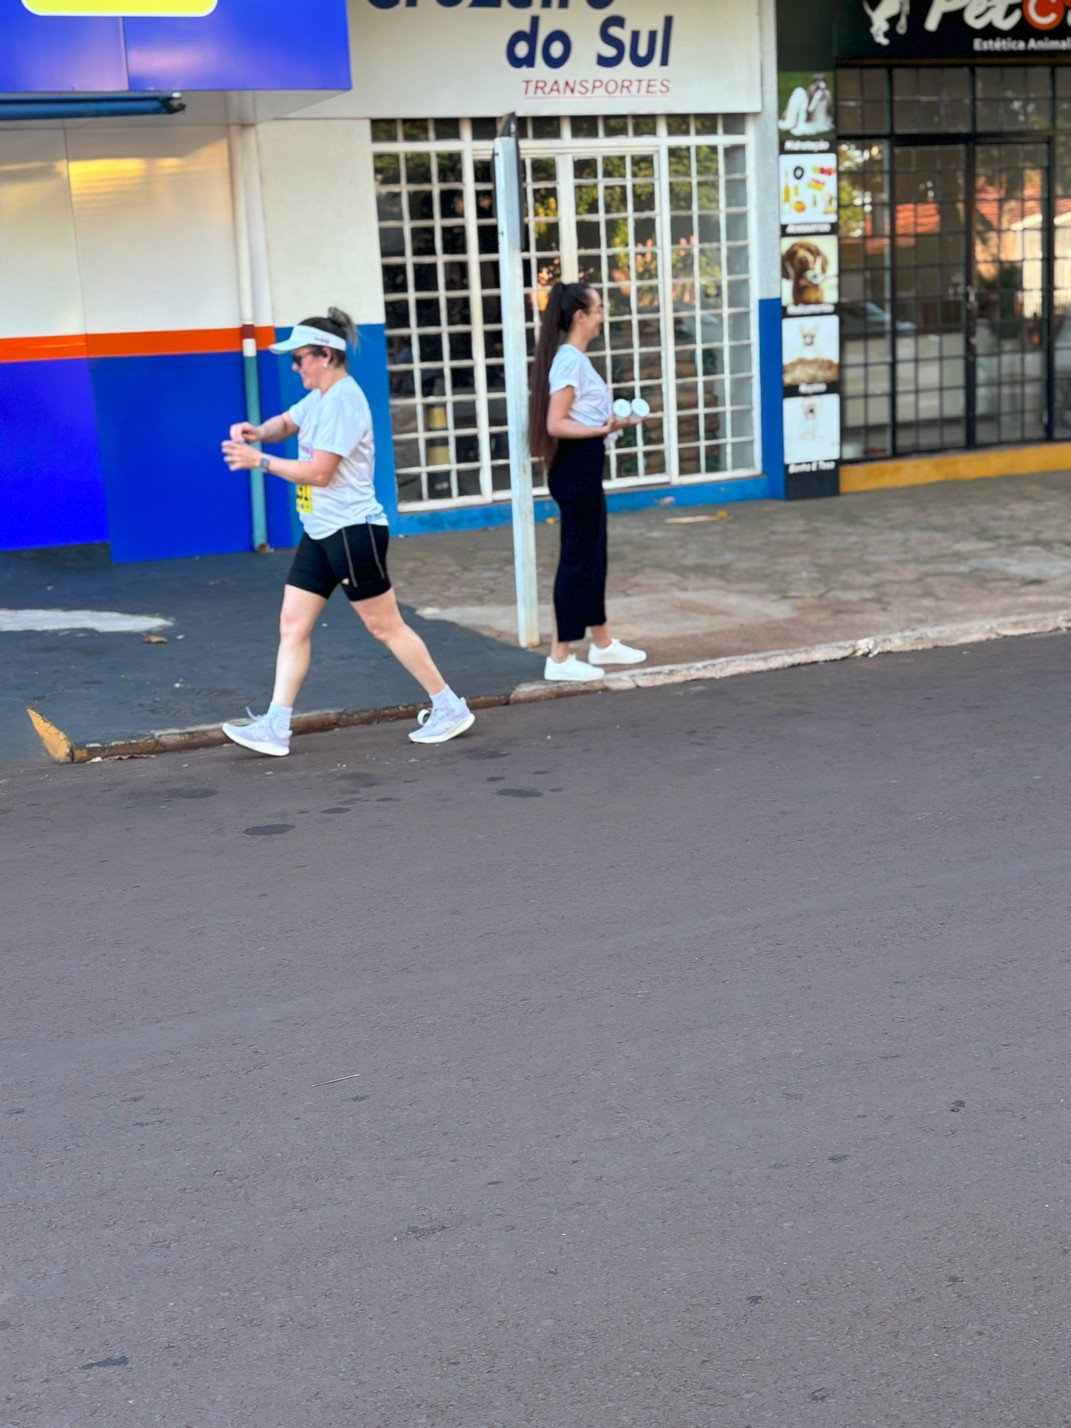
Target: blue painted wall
{"points": [[771, 395], [160, 421], [51, 487]]}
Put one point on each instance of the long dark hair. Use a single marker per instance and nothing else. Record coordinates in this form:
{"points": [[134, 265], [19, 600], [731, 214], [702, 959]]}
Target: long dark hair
{"points": [[338, 324], [563, 304]]}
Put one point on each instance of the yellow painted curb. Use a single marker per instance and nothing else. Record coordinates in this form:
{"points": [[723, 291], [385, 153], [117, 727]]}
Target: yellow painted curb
{"points": [[57, 745], [960, 466]]}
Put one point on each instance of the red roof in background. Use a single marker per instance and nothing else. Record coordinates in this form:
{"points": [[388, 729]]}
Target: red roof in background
{"points": [[914, 220]]}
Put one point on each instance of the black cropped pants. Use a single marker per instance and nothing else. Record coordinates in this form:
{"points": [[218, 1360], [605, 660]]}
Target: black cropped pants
{"points": [[580, 585]]}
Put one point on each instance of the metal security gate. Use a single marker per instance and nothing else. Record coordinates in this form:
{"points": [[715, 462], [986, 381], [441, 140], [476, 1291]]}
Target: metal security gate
{"points": [[654, 212]]}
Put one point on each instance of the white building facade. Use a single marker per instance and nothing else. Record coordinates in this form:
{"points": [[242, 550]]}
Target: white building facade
{"points": [[146, 250]]}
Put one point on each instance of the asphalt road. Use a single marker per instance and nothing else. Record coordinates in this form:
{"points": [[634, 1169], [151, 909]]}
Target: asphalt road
{"points": [[692, 1058]]}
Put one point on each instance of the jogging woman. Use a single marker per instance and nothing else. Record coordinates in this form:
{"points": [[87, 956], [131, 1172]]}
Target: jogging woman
{"points": [[570, 417], [345, 539]]}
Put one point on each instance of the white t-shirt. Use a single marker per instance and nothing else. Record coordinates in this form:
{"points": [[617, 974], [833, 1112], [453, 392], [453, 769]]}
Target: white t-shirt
{"points": [[339, 421], [591, 396]]}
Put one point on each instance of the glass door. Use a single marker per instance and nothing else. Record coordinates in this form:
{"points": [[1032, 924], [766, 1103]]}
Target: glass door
{"points": [[929, 284], [1010, 317], [955, 256]]}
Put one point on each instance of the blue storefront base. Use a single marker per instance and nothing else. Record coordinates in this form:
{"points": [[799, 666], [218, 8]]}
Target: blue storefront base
{"points": [[51, 484], [159, 424], [701, 493], [771, 389]]}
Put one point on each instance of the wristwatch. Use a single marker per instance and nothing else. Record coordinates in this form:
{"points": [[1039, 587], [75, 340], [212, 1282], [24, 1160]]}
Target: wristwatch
{"points": [[264, 464]]}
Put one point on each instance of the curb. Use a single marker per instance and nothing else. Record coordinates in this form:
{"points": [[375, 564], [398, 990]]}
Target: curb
{"points": [[934, 637], [210, 736]]}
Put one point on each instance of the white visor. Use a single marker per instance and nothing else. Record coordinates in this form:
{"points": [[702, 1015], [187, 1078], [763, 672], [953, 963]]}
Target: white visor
{"points": [[302, 336]]}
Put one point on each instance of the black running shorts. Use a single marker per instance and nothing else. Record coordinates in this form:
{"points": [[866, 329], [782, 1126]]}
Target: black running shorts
{"points": [[354, 557]]}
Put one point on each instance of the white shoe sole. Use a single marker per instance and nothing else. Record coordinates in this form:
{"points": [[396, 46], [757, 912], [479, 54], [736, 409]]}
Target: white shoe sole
{"points": [[418, 736], [237, 737], [570, 678], [609, 663]]}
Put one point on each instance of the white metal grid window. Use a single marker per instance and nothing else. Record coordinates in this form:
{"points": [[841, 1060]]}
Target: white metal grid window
{"points": [[652, 210]]}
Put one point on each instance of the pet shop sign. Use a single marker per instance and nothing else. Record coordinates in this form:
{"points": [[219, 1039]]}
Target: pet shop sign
{"points": [[954, 29], [488, 57]]}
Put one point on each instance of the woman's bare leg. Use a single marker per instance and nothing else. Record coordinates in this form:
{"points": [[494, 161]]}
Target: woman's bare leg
{"points": [[297, 619], [383, 620], [559, 649]]}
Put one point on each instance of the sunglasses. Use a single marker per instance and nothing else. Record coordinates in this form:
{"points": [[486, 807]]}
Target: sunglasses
{"points": [[299, 357]]}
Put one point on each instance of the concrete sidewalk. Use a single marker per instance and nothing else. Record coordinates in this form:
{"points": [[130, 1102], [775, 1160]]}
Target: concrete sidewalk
{"points": [[703, 583], [688, 584]]}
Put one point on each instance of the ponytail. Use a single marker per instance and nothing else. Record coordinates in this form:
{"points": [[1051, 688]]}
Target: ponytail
{"points": [[338, 324], [563, 303]]}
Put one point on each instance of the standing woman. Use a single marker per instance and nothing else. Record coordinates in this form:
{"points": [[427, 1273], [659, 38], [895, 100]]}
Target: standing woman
{"points": [[570, 417], [345, 539]]}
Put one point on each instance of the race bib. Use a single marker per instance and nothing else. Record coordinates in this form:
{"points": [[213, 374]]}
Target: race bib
{"points": [[304, 500]]}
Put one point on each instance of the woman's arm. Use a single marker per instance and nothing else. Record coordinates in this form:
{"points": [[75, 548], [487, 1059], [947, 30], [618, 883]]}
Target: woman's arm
{"points": [[275, 429], [240, 456], [559, 422]]}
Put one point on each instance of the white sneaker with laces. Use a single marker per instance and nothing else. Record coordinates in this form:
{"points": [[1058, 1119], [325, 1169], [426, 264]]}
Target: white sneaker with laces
{"points": [[572, 670], [260, 735], [615, 653], [438, 725]]}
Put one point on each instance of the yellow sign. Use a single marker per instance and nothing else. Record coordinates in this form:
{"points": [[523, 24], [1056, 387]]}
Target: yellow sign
{"points": [[168, 8]]}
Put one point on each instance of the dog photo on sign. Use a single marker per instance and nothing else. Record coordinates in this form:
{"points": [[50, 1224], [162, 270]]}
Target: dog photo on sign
{"points": [[809, 270], [810, 350], [811, 428], [806, 105]]}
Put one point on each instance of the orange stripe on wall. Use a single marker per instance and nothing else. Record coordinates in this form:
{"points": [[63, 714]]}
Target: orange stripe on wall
{"points": [[41, 349], [129, 344]]}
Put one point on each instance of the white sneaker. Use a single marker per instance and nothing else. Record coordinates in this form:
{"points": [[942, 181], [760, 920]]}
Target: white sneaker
{"points": [[438, 725], [261, 735], [573, 670], [615, 653]]}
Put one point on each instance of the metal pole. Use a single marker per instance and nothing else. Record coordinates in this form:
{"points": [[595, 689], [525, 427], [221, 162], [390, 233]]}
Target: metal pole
{"points": [[249, 342], [509, 207]]}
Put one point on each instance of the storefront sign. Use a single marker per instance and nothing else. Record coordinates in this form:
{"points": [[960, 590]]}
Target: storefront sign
{"points": [[489, 57], [114, 46], [953, 29], [810, 327]]}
